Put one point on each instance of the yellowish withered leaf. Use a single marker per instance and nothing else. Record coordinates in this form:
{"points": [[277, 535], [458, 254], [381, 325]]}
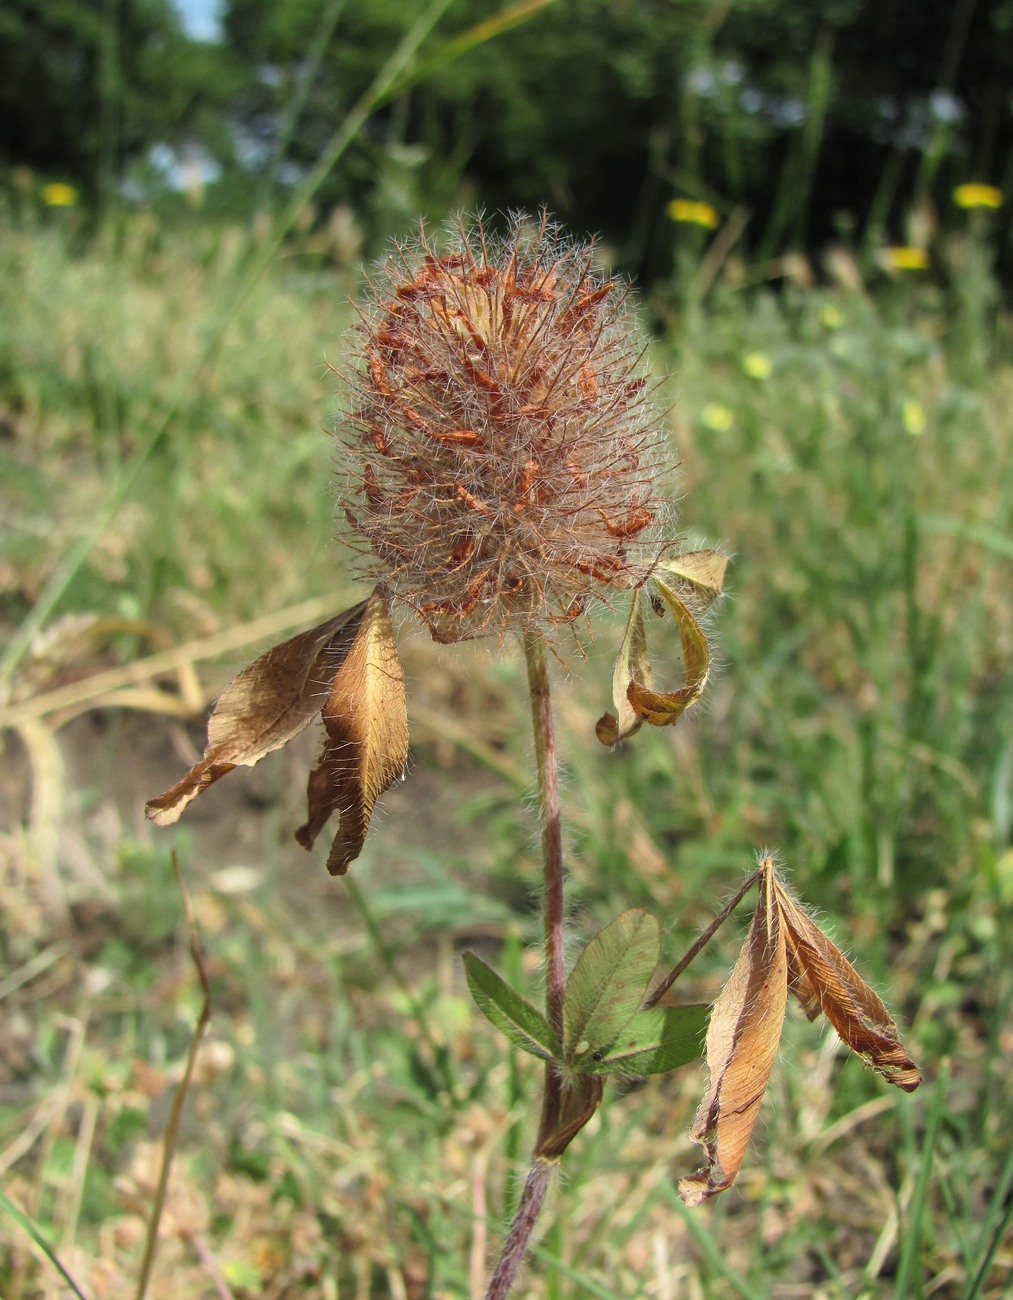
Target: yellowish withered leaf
{"points": [[263, 708], [704, 571], [742, 1040], [663, 708], [631, 664], [823, 980], [366, 719]]}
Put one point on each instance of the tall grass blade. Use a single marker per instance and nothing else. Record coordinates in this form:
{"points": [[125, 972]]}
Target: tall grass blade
{"points": [[990, 539], [918, 1208], [440, 1060], [994, 1229], [799, 174], [310, 66], [29, 1227], [711, 1248], [488, 29]]}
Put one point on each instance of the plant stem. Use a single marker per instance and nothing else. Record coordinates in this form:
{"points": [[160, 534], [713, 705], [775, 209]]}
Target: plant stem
{"points": [[515, 1248], [703, 941], [552, 839], [537, 1182]]}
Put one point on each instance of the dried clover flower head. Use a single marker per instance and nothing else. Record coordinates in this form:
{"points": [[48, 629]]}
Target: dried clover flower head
{"points": [[505, 453]]}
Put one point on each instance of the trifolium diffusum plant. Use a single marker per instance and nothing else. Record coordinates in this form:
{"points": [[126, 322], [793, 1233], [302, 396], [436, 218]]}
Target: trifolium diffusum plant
{"points": [[504, 476]]}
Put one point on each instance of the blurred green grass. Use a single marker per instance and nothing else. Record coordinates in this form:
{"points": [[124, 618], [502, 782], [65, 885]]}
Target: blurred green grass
{"points": [[354, 1127]]}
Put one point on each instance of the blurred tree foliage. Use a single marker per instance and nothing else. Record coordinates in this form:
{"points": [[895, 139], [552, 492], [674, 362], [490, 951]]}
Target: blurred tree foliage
{"points": [[809, 117], [604, 109], [87, 86]]}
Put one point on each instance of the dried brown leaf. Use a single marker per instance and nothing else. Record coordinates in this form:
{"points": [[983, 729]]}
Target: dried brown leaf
{"points": [[366, 750], [823, 980], [704, 571], [742, 1040], [662, 709], [263, 708], [631, 664], [636, 700]]}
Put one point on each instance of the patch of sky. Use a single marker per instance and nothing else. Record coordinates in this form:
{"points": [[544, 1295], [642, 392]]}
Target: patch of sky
{"points": [[201, 18]]}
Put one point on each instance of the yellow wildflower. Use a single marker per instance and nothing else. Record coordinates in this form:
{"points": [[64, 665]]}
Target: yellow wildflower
{"points": [[757, 365], [904, 258], [58, 194], [973, 195], [832, 317], [912, 414], [696, 214], [717, 418]]}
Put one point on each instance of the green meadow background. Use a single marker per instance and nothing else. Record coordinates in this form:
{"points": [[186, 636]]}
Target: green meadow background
{"points": [[839, 409]]}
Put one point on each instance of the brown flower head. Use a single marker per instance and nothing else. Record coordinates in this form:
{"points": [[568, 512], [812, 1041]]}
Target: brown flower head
{"points": [[504, 451], [504, 464]]}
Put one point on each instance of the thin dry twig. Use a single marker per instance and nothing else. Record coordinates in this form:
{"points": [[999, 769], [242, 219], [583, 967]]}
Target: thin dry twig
{"points": [[703, 940], [176, 1114], [111, 686]]}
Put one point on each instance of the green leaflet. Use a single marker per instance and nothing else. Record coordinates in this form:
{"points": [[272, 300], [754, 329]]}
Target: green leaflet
{"points": [[656, 1041], [607, 985], [522, 1023]]}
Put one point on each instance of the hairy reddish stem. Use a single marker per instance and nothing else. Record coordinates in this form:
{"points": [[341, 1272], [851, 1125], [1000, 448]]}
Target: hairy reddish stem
{"points": [[516, 1247], [552, 838], [536, 1184]]}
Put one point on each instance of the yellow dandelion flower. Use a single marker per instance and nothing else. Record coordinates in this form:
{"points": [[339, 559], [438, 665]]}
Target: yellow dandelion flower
{"points": [[58, 194], [757, 365], [832, 317], [717, 418], [912, 414], [696, 214], [904, 258], [973, 195]]}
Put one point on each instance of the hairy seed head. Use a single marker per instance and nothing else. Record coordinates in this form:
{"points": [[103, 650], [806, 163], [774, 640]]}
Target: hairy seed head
{"points": [[504, 450]]}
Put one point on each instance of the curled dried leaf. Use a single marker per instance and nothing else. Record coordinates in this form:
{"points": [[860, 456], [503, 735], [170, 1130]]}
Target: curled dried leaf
{"points": [[742, 1040], [366, 719], [636, 701], [631, 664], [663, 708], [823, 980], [263, 708]]}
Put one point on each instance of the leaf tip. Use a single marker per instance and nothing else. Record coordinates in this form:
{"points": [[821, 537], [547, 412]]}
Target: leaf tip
{"points": [[161, 814], [697, 1188]]}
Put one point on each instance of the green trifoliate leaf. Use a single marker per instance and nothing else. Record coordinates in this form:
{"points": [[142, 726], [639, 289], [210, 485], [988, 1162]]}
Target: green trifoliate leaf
{"points": [[522, 1023], [607, 985]]}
